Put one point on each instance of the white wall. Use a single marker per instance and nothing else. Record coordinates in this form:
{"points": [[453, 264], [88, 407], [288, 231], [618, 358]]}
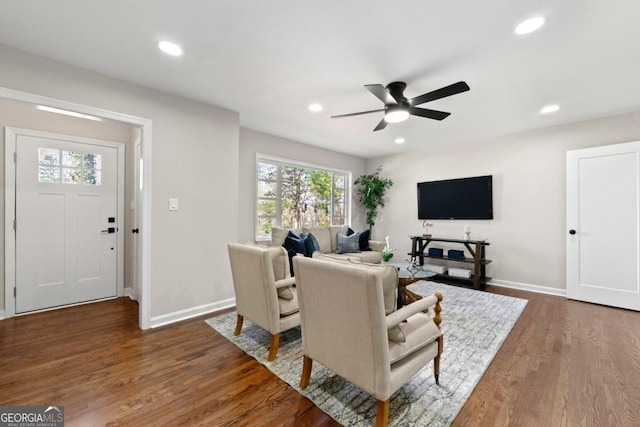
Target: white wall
{"points": [[252, 142], [195, 158], [527, 235]]}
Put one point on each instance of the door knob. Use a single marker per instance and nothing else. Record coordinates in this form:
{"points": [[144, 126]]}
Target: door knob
{"points": [[572, 231], [109, 230], [135, 231]]}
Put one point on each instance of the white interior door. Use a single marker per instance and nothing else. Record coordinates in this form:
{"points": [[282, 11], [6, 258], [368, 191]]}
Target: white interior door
{"points": [[66, 222], [603, 225]]}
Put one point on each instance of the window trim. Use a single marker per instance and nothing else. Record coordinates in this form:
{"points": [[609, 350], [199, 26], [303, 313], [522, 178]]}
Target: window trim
{"points": [[290, 162]]}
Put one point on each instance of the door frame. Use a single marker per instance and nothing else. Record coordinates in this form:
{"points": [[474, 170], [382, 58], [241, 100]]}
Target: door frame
{"points": [[145, 125], [10, 144]]}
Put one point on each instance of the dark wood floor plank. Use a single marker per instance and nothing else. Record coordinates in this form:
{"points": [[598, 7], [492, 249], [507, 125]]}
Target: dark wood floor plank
{"points": [[565, 363]]}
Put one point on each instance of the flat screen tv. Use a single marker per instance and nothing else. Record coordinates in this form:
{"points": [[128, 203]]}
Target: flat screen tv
{"points": [[463, 198]]}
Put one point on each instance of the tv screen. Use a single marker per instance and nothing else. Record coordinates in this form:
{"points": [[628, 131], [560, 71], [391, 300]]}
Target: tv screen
{"points": [[464, 198]]}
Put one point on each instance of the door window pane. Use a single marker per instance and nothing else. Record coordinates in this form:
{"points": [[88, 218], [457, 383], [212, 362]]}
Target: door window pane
{"points": [[48, 156], [92, 177], [71, 158], [48, 174], [71, 175]]}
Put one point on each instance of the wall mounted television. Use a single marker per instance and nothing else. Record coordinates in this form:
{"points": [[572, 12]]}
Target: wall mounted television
{"points": [[463, 198]]}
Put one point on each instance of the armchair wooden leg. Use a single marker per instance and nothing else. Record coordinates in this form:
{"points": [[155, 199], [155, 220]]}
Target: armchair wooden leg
{"points": [[307, 362], [273, 350], [236, 332], [382, 414], [436, 361]]}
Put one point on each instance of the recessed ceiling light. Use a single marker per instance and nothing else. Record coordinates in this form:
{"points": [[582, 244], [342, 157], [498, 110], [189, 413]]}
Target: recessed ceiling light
{"points": [[548, 109], [170, 48], [316, 108], [530, 25], [399, 141]]}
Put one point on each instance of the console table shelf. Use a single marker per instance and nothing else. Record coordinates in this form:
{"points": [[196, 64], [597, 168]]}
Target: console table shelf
{"points": [[475, 247]]}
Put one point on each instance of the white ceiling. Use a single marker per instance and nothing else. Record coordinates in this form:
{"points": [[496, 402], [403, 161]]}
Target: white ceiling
{"points": [[268, 60]]}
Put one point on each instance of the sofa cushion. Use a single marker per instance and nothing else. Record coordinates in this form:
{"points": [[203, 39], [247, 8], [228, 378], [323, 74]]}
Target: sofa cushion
{"points": [[288, 306], [348, 244], [370, 257], [419, 331], [279, 234], [323, 236]]}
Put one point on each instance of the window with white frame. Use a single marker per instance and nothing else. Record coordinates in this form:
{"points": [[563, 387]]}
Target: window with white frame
{"points": [[292, 195]]}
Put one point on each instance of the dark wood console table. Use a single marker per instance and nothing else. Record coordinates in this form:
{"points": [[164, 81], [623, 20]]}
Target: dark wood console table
{"points": [[476, 249]]}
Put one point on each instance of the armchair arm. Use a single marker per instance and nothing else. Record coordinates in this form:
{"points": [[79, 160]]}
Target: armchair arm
{"points": [[395, 318], [285, 282]]}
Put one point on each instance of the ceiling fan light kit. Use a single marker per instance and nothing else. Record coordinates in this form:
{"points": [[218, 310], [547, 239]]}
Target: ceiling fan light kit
{"points": [[396, 115], [397, 108]]}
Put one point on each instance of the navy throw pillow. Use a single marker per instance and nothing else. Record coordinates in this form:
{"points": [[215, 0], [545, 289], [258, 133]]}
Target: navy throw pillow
{"points": [[363, 241], [294, 245]]}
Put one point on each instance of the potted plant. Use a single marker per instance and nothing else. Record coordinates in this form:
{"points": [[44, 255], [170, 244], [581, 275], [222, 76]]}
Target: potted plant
{"points": [[387, 252], [370, 190]]}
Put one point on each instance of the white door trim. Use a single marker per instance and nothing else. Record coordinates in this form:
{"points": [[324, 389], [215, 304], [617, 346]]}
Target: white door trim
{"points": [[144, 319]]}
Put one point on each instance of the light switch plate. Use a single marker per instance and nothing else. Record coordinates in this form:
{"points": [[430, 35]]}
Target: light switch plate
{"points": [[173, 204]]}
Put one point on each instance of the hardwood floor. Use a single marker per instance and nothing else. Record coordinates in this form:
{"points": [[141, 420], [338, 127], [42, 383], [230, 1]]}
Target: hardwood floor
{"points": [[565, 363]]}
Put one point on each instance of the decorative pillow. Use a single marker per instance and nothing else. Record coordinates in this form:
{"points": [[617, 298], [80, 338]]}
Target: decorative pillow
{"points": [[365, 236], [333, 231], [294, 245], [310, 243], [348, 244]]}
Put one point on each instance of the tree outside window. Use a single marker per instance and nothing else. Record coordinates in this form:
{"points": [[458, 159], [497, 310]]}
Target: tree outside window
{"points": [[293, 196]]}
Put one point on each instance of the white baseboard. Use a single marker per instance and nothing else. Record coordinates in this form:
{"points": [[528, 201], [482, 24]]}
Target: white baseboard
{"points": [[129, 292], [1, 314], [529, 287], [188, 313]]}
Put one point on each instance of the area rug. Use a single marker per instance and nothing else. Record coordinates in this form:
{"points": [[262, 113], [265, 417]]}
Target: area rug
{"points": [[474, 324]]}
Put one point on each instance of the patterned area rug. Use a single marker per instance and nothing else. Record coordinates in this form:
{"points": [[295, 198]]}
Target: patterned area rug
{"points": [[474, 323]]}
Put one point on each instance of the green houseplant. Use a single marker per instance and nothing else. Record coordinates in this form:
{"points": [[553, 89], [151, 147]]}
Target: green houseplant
{"points": [[370, 190]]}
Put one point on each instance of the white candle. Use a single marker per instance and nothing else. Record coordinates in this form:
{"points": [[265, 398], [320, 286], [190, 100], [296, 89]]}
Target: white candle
{"points": [[467, 229]]}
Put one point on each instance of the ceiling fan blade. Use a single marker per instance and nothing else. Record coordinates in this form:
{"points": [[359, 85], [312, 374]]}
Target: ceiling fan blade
{"points": [[440, 93], [430, 114], [356, 114], [380, 92], [381, 125]]}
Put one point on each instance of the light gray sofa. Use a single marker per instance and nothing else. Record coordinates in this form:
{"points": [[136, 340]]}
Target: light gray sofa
{"points": [[328, 240]]}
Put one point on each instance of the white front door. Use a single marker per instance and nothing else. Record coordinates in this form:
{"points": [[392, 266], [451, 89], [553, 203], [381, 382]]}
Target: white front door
{"points": [[66, 222], [603, 225]]}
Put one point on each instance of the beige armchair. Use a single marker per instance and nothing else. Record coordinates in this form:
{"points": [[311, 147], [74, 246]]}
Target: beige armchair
{"points": [[263, 288], [345, 329]]}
